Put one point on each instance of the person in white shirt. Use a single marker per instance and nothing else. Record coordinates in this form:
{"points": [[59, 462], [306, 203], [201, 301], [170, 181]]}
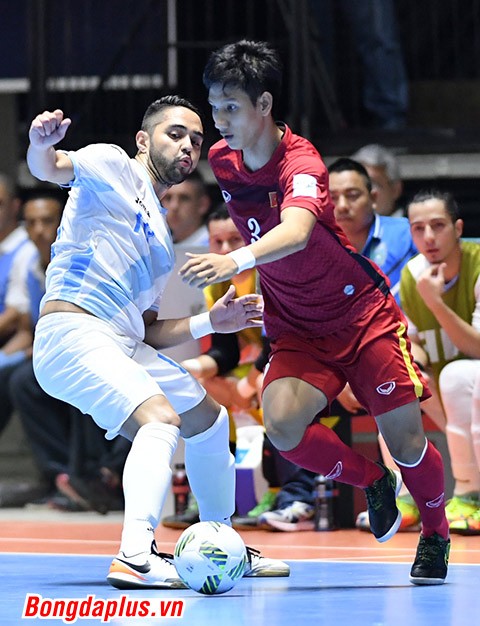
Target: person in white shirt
{"points": [[14, 243], [97, 340]]}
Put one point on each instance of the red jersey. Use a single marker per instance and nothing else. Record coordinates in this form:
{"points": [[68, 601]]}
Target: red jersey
{"points": [[322, 288]]}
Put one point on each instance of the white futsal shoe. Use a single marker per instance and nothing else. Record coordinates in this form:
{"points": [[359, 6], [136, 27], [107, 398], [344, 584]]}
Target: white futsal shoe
{"points": [[156, 571]]}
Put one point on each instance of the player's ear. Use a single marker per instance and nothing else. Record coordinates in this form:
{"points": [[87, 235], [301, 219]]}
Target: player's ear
{"points": [[142, 140], [265, 103], [459, 228]]}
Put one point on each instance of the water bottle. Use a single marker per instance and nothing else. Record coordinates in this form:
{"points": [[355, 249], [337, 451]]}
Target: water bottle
{"points": [[180, 488], [324, 495]]}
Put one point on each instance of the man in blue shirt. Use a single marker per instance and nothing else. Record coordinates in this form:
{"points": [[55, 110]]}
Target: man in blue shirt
{"points": [[384, 239]]}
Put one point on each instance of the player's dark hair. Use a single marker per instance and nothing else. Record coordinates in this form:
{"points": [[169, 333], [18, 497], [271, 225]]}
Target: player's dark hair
{"points": [[252, 66], [152, 114], [346, 164], [446, 197]]}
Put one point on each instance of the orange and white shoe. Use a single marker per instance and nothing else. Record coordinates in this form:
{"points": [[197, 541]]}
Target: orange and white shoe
{"points": [[154, 571]]}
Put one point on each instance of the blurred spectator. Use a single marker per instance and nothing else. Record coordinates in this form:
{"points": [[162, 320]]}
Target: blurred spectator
{"points": [[188, 204], [49, 424], [440, 292], [42, 214], [384, 171], [373, 27], [14, 243], [384, 239]]}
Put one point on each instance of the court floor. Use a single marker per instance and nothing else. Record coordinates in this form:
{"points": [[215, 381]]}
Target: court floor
{"points": [[337, 578]]}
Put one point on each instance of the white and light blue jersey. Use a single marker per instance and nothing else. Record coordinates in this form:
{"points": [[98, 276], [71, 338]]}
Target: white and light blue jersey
{"points": [[114, 252]]}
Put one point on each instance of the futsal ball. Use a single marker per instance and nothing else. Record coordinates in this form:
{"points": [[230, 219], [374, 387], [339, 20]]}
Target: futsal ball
{"points": [[210, 557]]}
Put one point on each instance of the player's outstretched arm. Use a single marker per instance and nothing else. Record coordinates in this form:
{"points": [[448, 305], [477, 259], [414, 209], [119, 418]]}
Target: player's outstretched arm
{"points": [[227, 315], [44, 162], [290, 236]]}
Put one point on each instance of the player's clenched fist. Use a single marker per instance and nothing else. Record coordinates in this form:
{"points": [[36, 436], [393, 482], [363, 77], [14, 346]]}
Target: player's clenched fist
{"points": [[48, 128]]}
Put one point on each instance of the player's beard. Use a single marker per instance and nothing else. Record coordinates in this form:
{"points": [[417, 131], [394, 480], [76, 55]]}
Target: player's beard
{"points": [[166, 171]]}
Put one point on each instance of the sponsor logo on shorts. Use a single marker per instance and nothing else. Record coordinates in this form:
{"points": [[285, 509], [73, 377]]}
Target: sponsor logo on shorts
{"points": [[336, 471], [434, 504], [385, 389]]}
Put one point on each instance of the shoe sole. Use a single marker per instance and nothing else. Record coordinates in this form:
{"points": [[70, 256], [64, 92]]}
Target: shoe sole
{"points": [[466, 532], [269, 572], [258, 526], [126, 581], [396, 525], [426, 581], [290, 527]]}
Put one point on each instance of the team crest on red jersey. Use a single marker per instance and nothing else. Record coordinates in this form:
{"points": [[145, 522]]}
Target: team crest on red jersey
{"points": [[272, 196]]}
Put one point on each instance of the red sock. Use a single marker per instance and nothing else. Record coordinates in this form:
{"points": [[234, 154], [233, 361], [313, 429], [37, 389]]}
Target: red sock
{"points": [[426, 484], [323, 452]]}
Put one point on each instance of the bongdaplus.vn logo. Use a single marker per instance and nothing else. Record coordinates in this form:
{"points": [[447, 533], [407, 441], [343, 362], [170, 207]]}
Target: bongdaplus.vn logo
{"points": [[69, 610]]}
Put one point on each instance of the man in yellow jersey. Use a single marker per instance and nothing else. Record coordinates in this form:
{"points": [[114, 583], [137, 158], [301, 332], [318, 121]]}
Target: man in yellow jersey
{"points": [[440, 294]]}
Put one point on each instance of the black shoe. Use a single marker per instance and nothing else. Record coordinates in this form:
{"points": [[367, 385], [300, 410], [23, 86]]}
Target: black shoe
{"points": [[431, 561], [19, 494], [383, 514]]}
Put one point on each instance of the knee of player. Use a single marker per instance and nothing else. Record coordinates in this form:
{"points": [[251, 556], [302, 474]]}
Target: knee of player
{"points": [[408, 450], [275, 422], [282, 431], [156, 409]]}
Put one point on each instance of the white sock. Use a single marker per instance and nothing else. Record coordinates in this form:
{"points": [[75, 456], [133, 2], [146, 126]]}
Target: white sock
{"points": [[211, 471], [146, 479]]}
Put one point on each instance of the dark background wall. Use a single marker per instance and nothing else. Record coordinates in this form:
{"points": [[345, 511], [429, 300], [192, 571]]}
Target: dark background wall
{"points": [[103, 61]]}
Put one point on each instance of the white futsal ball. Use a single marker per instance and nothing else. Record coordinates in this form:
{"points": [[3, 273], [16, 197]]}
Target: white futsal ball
{"points": [[210, 557]]}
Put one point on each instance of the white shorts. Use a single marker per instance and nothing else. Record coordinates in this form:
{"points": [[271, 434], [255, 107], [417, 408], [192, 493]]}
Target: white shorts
{"points": [[82, 360]]}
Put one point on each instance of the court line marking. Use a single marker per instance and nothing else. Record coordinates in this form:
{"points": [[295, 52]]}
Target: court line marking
{"points": [[339, 561]]}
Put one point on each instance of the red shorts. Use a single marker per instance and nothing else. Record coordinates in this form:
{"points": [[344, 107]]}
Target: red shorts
{"points": [[372, 355]]}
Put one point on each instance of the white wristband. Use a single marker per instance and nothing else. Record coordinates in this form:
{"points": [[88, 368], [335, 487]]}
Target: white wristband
{"points": [[200, 325], [244, 258]]}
